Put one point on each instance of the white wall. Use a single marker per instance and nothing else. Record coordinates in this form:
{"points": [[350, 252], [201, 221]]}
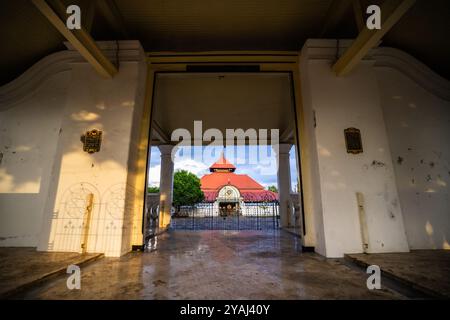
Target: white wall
{"points": [[47, 181], [28, 138], [108, 105], [45, 176], [340, 103], [417, 114]]}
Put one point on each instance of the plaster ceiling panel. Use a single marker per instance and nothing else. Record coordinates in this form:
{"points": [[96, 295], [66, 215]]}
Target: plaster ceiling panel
{"points": [[207, 25], [223, 25], [223, 101]]}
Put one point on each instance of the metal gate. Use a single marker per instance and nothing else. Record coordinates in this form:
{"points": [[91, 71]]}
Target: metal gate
{"points": [[207, 216]]}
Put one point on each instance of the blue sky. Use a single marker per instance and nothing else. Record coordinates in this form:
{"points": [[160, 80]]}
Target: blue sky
{"points": [[258, 162]]}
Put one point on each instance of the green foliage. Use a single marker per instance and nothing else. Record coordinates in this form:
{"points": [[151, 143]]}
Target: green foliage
{"points": [[153, 189], [272, 188], [186, 189]]}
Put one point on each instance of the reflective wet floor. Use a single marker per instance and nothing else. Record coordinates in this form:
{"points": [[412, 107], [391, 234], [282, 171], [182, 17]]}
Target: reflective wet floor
{"points": [[427, 270], [217, 265], [21, 267]]}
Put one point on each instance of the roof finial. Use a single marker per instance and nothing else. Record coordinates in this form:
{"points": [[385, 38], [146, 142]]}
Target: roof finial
{"points": [[222, 165]]}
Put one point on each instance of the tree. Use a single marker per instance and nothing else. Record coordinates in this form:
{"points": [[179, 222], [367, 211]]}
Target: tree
{"points": [[186, 189], [153, 189], [272, 188]]}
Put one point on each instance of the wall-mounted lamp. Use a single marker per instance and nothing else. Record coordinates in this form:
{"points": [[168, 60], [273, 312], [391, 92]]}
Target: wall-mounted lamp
{"points": [[353, 140], [92, 141]]}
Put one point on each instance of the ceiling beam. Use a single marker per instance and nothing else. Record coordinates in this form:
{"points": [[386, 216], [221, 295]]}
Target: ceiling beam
{"points": [[80, 39], [391, 12], [109, 10], [335, 15]]}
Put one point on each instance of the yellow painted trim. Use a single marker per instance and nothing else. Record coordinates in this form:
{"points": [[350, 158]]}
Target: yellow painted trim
{"points": [[221, 53], [141, 161], [80, 39], [179, 61], [87, 222], [391, 13], [168, 67], [303, 145], [278, 67], [223, 57]]}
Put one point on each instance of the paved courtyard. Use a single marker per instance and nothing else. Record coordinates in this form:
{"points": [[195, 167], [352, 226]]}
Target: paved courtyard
{"points": [[217, 265]]}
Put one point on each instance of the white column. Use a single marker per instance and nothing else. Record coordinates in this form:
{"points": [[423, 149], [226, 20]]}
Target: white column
{"points": [[284, 183], [165, 185]]}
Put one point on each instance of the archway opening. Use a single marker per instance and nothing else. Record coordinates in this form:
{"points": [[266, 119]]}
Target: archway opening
{"points": [[201, 109]]}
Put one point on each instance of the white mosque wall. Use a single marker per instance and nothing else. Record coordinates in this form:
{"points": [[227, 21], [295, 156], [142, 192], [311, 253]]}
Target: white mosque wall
{"points": [[108, 105], [416, 107], [260, 209], [401, 109], [30, 117], [253, 209], [46, 177], [200, 210], [337, 103]]}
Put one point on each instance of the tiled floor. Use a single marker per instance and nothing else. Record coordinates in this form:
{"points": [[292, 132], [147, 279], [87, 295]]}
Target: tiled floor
{"points": [[20, 267], [427, 270], [217, 265]]}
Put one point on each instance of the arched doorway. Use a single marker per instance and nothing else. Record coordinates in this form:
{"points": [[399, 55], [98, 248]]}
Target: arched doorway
{"points": [[229, 201], [265, 64]]}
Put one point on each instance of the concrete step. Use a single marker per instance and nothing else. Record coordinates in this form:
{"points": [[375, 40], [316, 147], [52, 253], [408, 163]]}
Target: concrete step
{"points": [[400, 284], [82, 261]]}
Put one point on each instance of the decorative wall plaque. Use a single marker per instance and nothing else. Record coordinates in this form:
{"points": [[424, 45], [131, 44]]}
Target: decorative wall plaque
{"points": [[353, 140], [92, 141]]}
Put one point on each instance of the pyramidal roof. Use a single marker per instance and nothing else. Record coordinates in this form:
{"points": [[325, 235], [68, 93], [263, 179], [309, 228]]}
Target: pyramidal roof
{"points": [[222, 164], [223, 174]]}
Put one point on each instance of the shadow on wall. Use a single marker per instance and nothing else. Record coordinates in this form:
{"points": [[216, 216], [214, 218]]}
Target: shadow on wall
{"points": [[101, 223], [417, 125], [30, 164]]}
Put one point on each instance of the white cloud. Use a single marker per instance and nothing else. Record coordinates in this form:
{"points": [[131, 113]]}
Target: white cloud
{"points": [[154, 175], [191, 165], [197, 168], [263, 172]]}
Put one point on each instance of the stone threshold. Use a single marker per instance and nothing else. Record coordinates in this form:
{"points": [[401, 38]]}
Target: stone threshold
{"points": [[81, 261], [400, 282]]}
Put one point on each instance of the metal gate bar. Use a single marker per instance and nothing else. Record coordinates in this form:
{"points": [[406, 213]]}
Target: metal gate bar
{"points": [[205, 216]]}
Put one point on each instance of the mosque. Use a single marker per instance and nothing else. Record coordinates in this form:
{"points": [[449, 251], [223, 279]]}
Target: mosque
{"points": [[235, 194], [367, 112]]}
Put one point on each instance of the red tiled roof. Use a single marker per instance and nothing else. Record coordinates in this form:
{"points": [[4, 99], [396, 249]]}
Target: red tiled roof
{"points": [[217, 180], [250, 190], [222, 163], [259, 196], [248, 196], [210, 196]]}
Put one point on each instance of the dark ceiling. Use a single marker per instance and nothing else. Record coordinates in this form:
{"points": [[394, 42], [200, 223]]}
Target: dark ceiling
{"points": [[208, 25]]}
